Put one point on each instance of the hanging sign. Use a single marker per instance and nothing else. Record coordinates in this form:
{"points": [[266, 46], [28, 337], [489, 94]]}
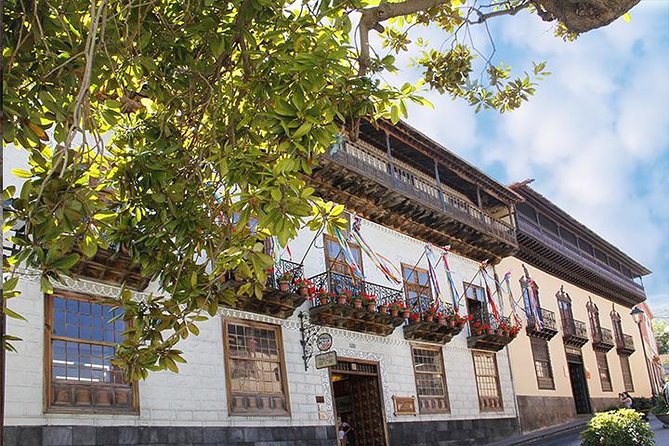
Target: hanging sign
{"points": [[324, 360], [324, 342]]}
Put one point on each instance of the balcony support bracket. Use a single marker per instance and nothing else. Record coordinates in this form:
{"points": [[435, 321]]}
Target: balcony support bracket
{"points": [[308, 335]]}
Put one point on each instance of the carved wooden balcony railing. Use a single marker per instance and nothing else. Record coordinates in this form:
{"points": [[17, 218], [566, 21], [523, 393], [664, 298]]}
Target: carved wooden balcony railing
{"points": [[625, 344], [574, 333], [602, 340], [276, 302], [544, 329], [112, 266], [573, 264], [428, 328], [486, 333], [346, 315]]}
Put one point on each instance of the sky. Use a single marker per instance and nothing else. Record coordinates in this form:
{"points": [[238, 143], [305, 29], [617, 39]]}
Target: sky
{"points": [[595, 136]]}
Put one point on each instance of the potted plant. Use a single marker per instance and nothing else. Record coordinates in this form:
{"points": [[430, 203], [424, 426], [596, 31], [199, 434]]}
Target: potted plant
{"points": [[357, 301], [284, 281], [513, 331], [503, 329], [370, 301], [430, 314], [442, 318], [383, 308], [344, 297], [643, 405], [415, 317], [323, 296], [304, 286], [396, 307]]}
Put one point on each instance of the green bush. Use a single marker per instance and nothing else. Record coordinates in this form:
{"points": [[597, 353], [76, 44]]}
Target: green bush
{"points": [[661, 407], [617, 428]]}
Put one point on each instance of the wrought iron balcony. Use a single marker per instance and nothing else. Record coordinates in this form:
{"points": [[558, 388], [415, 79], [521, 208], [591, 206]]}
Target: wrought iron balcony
{"points": [[546, 328], [625, 344], [365, 318], [574, 332], [602, 340], [488, 333], [282, 293], [427, 327]]}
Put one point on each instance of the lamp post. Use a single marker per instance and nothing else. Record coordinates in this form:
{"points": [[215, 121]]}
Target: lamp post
{"points": [[638, 315]]}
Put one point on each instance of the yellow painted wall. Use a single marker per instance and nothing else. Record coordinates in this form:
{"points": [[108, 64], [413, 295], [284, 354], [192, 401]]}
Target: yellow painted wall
{"points": [[522, 362]]}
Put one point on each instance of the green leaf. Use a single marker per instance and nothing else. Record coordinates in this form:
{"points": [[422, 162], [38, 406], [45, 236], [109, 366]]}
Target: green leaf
{"points": [[67, 262], [627, 17]]}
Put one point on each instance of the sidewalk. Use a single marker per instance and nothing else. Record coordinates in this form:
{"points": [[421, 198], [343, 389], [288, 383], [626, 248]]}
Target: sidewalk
{"points": [[566, 429]]}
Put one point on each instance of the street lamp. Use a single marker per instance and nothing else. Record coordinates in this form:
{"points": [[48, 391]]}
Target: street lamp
{"points": [[639, 316]]}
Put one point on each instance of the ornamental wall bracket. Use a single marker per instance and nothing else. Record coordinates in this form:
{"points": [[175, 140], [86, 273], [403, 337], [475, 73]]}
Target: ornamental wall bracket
{"points": [[308, 334]]}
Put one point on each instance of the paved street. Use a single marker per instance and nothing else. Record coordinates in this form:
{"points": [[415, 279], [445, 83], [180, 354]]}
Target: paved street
{"points": [[573, 438]]}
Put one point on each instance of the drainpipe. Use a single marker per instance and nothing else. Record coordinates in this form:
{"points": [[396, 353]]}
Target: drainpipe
{"points": [[508, 357]]}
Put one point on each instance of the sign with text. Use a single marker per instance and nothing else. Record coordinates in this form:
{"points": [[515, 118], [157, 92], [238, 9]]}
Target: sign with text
{"points": [[324, 360]]}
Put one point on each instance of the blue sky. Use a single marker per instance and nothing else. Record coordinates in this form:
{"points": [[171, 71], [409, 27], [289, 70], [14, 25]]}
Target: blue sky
{"points": [[595, 137]]}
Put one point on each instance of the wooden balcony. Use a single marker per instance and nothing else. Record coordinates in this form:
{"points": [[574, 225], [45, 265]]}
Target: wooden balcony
{"points": [[275, 302], [392, 193], [426, 328], [111, 266], [492, 339], [544, 329], [574, 333], [602, 340], [560, 258], [625, 345], [346, 316]]}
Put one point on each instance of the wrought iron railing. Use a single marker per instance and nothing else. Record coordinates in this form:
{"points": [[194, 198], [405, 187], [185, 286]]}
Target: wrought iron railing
{"points": [[602, 336], [336, 283], [547, 320], [421, 304], [624, 342], [421, 186], [574, 328], [485, 318], [282, 269]]}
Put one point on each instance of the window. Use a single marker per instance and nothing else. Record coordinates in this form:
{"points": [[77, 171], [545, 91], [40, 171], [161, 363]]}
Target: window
{"points": [[334, 258], [568, 237], [617, 327], [604, 375], [475, 302], [256, 375], [430, 380], [487, 381], [542, 363], [593, 317], [627, 373], [417, 287], [547, 223], [566, 315], [81, 337]]}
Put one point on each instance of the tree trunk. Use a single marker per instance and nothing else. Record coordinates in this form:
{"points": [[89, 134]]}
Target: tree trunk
{"points": [[580, 16]]}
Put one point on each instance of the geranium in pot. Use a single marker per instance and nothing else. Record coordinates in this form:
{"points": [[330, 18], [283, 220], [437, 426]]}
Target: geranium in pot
{"points": [[323, 296], [304, 287], [284, 281], [369, 300], [343, 297], [430, 314], [357, 301], [396, 307]]}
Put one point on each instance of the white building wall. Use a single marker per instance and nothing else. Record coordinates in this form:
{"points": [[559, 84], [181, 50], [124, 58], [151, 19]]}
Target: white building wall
{"points": [[197, 395]]}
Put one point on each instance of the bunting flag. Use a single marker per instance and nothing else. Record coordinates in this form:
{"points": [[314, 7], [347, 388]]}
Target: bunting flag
{"points": [[449, 277], [431, 262], [384, 265], [356, 272], [514, 304], [491, 301]]}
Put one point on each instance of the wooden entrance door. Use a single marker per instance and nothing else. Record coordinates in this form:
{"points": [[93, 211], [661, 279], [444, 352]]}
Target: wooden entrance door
{"points": [[579, 386], [358, 401]]}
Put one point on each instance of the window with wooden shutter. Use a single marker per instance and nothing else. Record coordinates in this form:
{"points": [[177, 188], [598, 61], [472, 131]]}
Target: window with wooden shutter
{"points": [[334, 258], [256, 373], [430, 380], [417, 287], [604, 375], [82, 334], [487, 381], [627, 373], [542, 363]]}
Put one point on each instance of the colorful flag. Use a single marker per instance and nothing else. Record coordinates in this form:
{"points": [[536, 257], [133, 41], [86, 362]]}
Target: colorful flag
{"points": [[449, 277]]}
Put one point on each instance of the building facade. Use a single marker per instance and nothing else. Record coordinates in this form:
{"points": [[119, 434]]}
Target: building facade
{"points": [[581, 347], [397, 379]]}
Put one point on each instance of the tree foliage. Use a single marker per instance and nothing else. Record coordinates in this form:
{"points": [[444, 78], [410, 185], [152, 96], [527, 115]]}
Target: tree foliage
{"points": [[661, 332], [162, 128]]}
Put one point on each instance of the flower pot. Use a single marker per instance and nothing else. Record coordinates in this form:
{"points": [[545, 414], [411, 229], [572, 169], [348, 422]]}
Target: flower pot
{"points": [[357, 303], [371, 307], [489, 331], [429, 318], [406, 314], [304, 291], [341, 300], [323, 300], [451, 323], [442, 321], [383, 309], [394, 312], [283, 286]]}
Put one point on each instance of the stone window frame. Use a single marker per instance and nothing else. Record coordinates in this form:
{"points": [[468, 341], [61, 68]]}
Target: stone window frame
{"points": [[604, 372], [628, 381], [542, 359], [485, 400], [113, 390], [281, 362], [439, 360]]}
